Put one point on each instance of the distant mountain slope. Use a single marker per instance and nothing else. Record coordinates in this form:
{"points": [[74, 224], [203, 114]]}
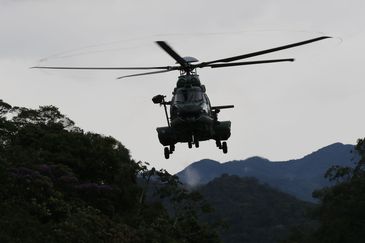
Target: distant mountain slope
{"points": [[298, 177], [253, 212]]}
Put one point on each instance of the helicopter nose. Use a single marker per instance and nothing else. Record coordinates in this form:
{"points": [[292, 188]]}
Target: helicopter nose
{"points": [[190, 110]]}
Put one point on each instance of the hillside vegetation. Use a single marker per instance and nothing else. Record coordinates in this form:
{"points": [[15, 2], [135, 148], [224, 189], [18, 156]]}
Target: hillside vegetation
{"points": [[340, 213], [253, 212], [61, 184]]}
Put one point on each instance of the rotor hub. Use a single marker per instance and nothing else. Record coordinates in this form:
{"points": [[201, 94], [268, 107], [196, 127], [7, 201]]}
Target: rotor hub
{"points": [[189, 59]]}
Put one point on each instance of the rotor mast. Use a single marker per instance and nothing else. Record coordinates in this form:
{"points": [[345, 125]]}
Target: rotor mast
{"points": [[191, 69]]}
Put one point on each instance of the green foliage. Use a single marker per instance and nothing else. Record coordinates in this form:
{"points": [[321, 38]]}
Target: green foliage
{"points": [[184, 209], [60, 184], [341, 212]]}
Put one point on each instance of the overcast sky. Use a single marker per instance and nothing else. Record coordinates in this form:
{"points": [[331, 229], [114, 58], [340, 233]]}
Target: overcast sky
{"points": [[282, 111]]}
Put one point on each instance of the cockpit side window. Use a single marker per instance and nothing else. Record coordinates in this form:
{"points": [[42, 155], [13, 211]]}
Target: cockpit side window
{"points": [[207, 100]]}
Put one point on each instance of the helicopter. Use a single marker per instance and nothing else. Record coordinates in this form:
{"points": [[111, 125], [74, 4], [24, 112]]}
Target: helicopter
{"points": [[192, 117]]}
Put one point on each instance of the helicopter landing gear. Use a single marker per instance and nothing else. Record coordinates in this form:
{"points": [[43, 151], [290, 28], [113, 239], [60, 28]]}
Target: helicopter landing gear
{"points": [[224, 147], [195, 140], [218, 143], [172, 148], [167, 153]]}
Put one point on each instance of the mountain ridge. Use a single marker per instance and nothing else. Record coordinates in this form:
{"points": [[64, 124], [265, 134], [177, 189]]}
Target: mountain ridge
{"points": [[298, 177]]}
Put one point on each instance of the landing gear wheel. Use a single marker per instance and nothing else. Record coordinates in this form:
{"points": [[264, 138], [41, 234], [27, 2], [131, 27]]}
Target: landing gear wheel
{"points": [[172, 148], [196, 142], [190, 145], [219, 144], [167, 153], [224, 147]]}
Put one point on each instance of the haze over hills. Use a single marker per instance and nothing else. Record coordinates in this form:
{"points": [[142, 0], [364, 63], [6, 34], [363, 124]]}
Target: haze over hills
{"points": [[299, 177]]}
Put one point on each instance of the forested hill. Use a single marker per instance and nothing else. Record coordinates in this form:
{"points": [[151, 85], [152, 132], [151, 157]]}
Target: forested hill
{"points": [[61, 184], [298, 177], [254, 212]]}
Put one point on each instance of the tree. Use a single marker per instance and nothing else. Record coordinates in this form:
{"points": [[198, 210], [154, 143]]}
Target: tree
{"points": [[59, 183], [341, 212]]}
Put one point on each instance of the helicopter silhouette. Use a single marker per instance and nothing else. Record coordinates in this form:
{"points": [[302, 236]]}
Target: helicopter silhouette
{"points": [[192, 117]]}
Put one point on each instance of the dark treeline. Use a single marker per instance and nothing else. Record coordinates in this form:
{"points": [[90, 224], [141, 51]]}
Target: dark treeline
{"points": [[253, 212], [61, 184], [341, 212]]}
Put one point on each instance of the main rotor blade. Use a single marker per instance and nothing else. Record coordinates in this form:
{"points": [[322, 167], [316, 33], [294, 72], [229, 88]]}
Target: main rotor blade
{"points": [[235, 58], [142, 74], [173, 54], [106, 68], [219, 65]]}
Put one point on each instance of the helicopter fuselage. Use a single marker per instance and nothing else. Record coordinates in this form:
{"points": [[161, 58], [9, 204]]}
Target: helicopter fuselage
{"points": [[191, 115], [192, 118]]}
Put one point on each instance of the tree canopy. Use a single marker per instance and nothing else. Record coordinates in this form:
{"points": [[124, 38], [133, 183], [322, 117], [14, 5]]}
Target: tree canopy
{"points": [[340, 213], [59, 183]]}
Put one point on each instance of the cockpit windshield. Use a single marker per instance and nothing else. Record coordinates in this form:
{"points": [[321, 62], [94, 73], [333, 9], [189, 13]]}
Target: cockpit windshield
{"points": [[189, 96]]}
